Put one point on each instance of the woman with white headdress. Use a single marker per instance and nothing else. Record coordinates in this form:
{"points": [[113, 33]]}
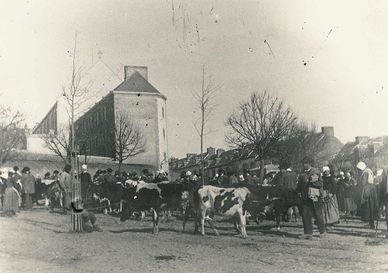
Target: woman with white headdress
{"points": [[368, 199], [331, 211]]}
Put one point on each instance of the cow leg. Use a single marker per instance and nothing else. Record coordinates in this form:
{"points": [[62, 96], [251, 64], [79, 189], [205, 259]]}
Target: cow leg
{"points": [[142, 215], [243, 224], [155, 220], [203, 216], [277, 218], [236, 223], [210, 221], [184, 216], [110, 208]]}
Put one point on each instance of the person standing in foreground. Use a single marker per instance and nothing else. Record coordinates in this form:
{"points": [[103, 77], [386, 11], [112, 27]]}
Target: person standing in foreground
{"points": [[310, 191], [383, 194], [65, 181], [12, 200], [28, 183], [86, 182], [369, 198], [330, 206]]}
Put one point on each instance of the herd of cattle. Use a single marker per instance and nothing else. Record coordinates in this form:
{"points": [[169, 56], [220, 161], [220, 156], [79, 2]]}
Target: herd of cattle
{"points": [[198, 202]]}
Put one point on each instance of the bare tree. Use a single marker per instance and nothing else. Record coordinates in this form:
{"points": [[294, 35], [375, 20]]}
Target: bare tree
{"points": [[205, 104], [260, 123], [128, 136], [59, 143], [11, 135], [302, 142], [75, 95]]}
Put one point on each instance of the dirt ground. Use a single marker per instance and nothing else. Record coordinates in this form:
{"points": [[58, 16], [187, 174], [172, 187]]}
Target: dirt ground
{"points": [[40, 241]]}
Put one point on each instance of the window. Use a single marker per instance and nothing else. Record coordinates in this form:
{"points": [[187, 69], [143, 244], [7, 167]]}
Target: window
{"points": [[162, 112], [164, 133], [165, 156]]}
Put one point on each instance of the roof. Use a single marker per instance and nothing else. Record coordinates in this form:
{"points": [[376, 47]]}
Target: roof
{"points": [[136, 83]]}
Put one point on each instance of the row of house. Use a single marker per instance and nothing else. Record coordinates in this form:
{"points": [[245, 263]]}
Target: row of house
{"points": [[372, 150], [239, 160]]}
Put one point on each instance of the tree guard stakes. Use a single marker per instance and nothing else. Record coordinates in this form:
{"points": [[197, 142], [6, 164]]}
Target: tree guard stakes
{"points": [[76, 209]]}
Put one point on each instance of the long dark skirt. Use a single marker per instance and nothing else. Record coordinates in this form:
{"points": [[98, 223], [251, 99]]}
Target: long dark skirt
{"points": [[11, 200], [331, 211]]}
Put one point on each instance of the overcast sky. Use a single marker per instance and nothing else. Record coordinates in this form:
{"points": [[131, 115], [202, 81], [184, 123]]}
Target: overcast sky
{"points": [[327, 59]]}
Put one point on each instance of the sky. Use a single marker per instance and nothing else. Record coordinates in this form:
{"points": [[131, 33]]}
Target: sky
{"points": [[326, 59]]}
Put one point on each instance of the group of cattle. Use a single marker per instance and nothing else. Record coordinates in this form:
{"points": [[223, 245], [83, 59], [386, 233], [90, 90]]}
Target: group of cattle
{"points": [[198, 202]]}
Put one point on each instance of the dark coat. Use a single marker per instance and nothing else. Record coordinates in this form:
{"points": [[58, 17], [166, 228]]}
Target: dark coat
{"points": [[28, 182]]}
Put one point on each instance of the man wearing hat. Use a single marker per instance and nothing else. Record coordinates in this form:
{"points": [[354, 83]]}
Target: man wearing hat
{"points": [[310, 191], [86, 182], [65, 181], [28, 183]]}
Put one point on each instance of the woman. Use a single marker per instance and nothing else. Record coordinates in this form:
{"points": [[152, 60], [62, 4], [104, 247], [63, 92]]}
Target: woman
{"points": [[331, 211], [349, 203], [342, 187], [12, 199]]}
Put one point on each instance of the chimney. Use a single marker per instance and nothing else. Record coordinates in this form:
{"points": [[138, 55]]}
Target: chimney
{"points": [[219, 152], [328, 131], [129, 70], [188, 156], [362, 139], [211, 151]]}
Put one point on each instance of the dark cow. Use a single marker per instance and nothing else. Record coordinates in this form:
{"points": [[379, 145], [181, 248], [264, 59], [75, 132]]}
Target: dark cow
{"points": [[230, 202], [163, 196], [54, 195], [98, 199], [279, 201]]}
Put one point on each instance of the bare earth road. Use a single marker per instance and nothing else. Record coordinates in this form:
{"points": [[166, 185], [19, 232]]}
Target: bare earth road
{"points": [[39, 241]]}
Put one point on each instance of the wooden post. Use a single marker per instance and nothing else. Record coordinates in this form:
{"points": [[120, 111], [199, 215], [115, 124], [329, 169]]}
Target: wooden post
{"points": [[76, 219]]}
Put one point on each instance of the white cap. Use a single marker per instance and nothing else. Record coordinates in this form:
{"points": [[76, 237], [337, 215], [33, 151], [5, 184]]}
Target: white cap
{"points": [[325, 169], [361, 166], [188, 173], [342, 173], [289, 170], [84, 167]]}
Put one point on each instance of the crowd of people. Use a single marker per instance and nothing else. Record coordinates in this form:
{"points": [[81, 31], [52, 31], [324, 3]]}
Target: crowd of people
{"points": [[323, 193]]}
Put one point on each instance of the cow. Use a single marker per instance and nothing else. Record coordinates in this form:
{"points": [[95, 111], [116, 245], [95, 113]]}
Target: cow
{"points": [[98, 199], [54, 194], [280, 202], [163, 196], [230, 202]]}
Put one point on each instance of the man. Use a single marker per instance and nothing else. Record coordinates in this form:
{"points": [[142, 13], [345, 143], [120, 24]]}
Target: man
{"points": [[28, 183], [86, 182], [289, 183], [383, 194], [65, 181], [368, 199], [310, 191]]}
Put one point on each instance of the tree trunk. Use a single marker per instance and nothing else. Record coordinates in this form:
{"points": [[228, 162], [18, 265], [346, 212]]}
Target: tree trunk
{"points": [[262, 171], [120, 166]]}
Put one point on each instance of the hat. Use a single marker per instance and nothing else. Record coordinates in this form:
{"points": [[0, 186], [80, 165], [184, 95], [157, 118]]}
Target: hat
{"points": [[289, 170], [188, 173], [342, 173], [361, 166], [84, 167], [325, 169]]}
